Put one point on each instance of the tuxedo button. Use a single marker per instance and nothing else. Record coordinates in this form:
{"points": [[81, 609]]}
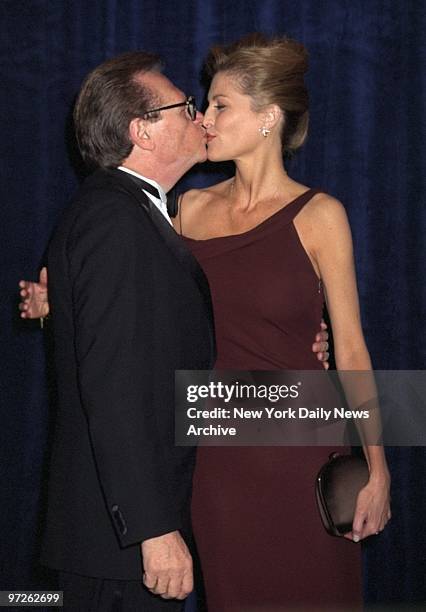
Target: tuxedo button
{"points": [[119, 520]]}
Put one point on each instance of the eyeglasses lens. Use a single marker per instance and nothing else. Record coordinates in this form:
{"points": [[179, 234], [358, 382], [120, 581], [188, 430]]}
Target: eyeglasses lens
{"points": [[192, 109]]}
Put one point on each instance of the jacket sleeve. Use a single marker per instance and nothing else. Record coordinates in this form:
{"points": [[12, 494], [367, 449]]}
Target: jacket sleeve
{"points": [[112, 277]]}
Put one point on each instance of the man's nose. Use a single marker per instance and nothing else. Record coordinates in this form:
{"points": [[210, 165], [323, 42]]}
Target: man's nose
{"points": [[199, 117], [207, 121]]}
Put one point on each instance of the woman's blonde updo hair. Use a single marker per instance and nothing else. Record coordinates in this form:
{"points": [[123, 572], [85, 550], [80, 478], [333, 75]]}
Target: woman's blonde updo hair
{"points": [[270, 71]]}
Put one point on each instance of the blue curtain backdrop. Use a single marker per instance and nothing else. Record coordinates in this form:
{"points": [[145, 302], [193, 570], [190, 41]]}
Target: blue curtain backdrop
{"points": [[366, 146]]}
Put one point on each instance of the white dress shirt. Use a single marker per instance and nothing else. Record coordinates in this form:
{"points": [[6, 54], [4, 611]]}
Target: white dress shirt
{"points": [[161, 202]]}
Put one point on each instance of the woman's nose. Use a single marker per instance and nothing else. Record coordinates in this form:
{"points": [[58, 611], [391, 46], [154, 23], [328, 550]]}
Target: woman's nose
{"points": [[207, 121]]}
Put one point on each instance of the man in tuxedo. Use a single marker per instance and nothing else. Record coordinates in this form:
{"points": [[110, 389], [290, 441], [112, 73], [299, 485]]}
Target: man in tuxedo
{"points": [[130, 306]]}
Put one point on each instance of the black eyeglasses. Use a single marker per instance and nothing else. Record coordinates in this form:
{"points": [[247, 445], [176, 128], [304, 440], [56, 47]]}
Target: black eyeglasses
{"points": [[189, 103]]}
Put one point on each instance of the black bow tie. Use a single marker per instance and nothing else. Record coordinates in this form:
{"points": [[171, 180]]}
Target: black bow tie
{"points": [[150, 189], [172, 198], [172, 203]]}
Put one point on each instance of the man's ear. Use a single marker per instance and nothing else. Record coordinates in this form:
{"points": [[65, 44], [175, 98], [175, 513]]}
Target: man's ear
{"points": [[140, 134]]}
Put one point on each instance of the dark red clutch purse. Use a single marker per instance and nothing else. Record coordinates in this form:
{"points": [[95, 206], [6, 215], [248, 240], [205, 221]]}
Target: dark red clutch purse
{"points": [[337, 486]]}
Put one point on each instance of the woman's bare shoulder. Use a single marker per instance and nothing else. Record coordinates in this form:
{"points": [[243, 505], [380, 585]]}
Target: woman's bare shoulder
{"points": [[322, 223], [193, 197], [325, 209], [195, 200], [202, 197], [197, 208]]}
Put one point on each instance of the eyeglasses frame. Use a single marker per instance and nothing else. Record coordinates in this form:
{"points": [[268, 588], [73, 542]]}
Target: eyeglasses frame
{"points": [[189, 103]]}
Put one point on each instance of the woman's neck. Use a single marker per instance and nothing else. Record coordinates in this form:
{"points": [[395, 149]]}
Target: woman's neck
{"points": [[258, 180]]}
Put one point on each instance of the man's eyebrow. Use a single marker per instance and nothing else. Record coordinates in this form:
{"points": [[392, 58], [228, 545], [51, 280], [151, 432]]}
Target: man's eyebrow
{"points": [[181, 100]]}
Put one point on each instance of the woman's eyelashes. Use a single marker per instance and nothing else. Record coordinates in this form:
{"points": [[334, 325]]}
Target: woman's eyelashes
{"points": [[216, 106]]}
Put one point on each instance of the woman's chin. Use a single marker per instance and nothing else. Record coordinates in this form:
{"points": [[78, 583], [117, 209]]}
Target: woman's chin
{"points": [[214, 156]]}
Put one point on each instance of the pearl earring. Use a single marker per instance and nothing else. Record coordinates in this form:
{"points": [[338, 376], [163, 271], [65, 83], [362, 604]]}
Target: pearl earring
{"points": [[264, 131]]}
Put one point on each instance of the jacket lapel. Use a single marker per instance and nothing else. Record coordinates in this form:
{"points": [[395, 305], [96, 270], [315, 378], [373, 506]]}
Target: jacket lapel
{"points": [[172, 240]]}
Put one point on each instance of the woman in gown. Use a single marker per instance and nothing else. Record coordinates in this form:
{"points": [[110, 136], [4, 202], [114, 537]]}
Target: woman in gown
{"points": [[273, 250]]}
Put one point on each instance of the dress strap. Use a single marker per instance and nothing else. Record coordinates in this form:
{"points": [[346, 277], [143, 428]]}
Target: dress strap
{"points": [[293, 208]]}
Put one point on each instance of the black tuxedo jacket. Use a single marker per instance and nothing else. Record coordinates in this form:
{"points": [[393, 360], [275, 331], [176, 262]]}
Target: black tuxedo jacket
{"points": [[130, 305]]}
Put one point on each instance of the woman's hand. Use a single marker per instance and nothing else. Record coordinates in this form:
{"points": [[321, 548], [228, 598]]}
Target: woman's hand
{"points": [[34, 298], [372, 510]]}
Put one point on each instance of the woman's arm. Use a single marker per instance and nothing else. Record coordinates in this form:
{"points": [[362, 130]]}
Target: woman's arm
{"points": [[333, 253]]}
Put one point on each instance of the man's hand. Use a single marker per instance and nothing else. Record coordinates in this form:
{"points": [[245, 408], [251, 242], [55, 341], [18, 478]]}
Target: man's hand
{"points": [[320, 346], [167, 566], [34, 303]]}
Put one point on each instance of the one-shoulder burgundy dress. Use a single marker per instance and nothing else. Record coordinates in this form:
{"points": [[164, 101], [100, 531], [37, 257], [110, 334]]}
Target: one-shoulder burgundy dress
{"points": [[261, 543]]}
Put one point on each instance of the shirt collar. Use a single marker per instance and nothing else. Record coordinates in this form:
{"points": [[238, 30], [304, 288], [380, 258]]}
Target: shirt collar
{"points": [[160, 202]]}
